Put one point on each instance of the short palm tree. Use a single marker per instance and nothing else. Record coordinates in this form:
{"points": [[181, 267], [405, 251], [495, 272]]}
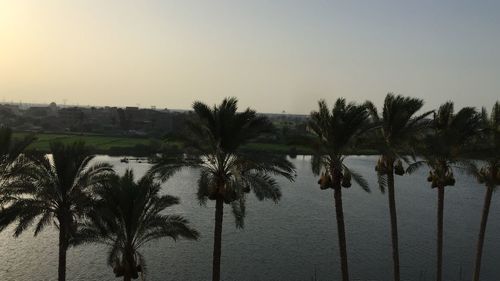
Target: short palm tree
{"points": [[127, 215], [216, 138], [55, 189], [489, 174], [398, 127], [336, 133], [443, 149]]}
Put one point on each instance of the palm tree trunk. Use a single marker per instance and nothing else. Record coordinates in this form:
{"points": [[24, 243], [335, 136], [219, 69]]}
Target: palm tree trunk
{"points": [[394, 225], [439, 271], [341, 232], [482, 231], [129, 262], [219, 212], [62, 251]]}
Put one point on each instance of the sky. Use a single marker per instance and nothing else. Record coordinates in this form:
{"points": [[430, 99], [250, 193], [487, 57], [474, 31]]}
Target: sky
{"points": [[274, 56]]}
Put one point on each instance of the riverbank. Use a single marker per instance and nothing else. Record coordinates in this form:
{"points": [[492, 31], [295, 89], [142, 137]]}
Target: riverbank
{"points": [[144, 146]]}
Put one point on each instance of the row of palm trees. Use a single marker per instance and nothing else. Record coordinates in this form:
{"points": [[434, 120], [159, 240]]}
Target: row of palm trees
{"points": [[443, 139], [89, 203]]}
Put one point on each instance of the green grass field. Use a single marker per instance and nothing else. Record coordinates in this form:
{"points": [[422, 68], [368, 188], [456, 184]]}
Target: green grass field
{"points": [[104, 143], [109, 143], [100, 142]]}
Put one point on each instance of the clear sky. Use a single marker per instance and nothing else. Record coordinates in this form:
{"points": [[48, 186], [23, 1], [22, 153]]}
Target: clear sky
{"points": [[273, 55]]}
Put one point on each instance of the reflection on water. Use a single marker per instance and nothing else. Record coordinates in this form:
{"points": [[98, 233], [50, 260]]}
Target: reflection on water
{"points": [[295, 239]]}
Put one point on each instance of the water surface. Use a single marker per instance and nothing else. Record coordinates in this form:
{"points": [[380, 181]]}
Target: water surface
{"points": [[295, 239]]}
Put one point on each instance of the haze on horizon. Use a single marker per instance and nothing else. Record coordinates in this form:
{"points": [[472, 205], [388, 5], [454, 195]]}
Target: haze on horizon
{"points": [[273, 55]]}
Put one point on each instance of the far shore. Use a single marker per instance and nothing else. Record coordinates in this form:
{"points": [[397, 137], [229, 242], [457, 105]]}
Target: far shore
{"points": [[145, 146]]}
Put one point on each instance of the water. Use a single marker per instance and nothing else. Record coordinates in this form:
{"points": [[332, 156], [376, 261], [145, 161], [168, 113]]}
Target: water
{"points": [[295, 239]]}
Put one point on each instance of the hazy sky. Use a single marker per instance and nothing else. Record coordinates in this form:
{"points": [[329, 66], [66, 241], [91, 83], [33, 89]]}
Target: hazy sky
{"points": [[273, 55]]}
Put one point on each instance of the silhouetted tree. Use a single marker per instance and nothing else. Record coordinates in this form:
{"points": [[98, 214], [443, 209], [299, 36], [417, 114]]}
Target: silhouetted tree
{"points": [[489, 174], [55, 188], [398, 127], [444, 149], [126, 216], [335, 134], [228, 172]]}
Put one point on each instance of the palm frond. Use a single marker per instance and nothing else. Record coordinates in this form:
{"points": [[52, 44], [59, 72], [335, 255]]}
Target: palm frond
{"points": [[382, 181], [358, 178], [317, 164], [413, 167], [263, 186], [239, 212], [166, 166], [131, 213], [372, 109], [43, 222], [467, 166]]}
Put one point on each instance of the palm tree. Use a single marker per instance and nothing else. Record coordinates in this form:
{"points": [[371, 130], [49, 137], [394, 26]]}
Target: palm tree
{"points": [[127, 215], [489, 175], [216, 139], [55, 189], [336, 132], [398, 127], [443, 150]]}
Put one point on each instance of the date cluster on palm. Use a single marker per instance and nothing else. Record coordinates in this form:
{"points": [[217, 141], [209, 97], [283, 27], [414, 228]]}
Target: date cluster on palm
{"points": [[486, 175], [325, 181], [381, 168], [445, 180]]}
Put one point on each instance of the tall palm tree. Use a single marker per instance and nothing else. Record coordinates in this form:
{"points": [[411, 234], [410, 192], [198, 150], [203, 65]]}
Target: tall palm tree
{"points": [[55, 189], [126, 216], [443, 150], [336, 132], [216, 138], [399, 125], [489, 174]]}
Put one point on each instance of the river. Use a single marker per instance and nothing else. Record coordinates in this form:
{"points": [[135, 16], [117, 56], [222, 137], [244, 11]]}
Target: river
{"points": [[295, 239]]}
